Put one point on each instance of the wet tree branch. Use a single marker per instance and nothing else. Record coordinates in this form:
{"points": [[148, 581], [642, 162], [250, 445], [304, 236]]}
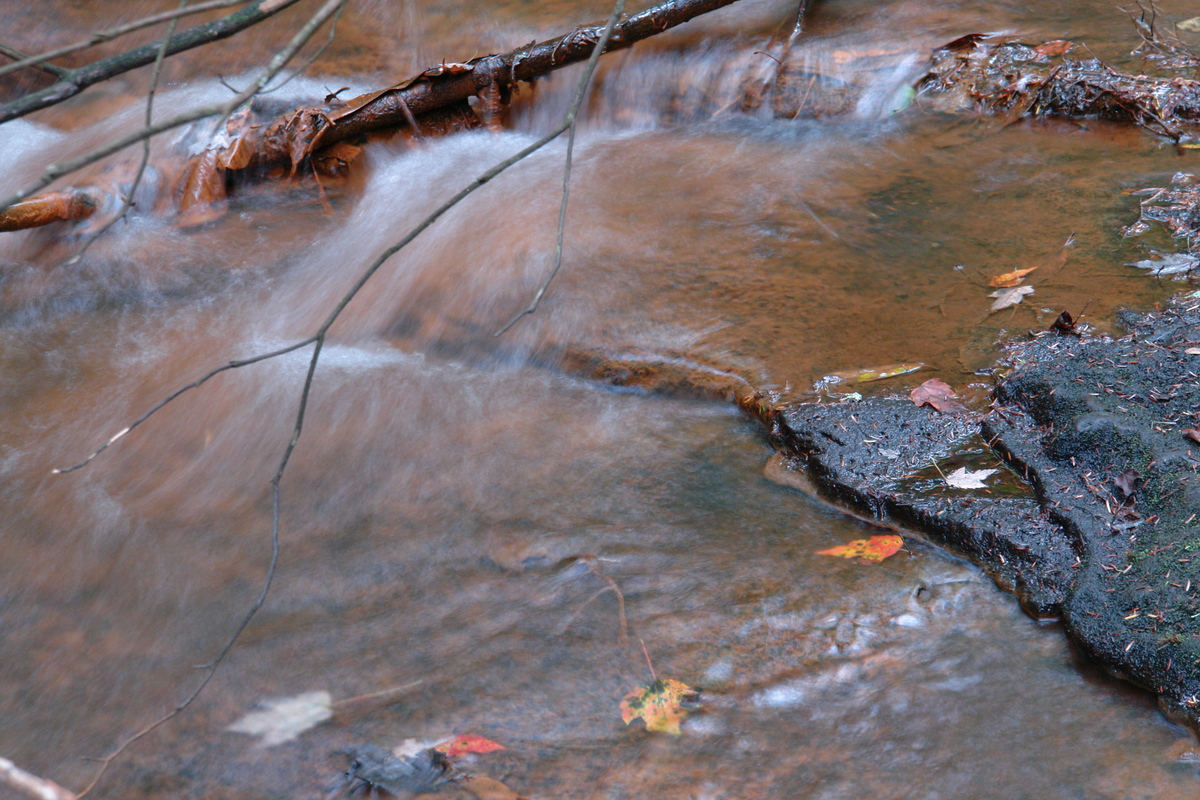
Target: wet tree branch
{"points": [[74, 81], [127, 198], [39, 61], [430, 92], [29, 61], [569, 121], [277, 63]]}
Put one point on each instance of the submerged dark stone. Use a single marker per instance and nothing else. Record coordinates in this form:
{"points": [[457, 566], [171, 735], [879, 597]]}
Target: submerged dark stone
{"points": [[1077, 423]]}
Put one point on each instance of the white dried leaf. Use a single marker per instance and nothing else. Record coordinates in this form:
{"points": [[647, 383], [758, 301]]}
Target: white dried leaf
{"points": [[1170, 264], [1009, 297], [963, 478], [283, 719]]}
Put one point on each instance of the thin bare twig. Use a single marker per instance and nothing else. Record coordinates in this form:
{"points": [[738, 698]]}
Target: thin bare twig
{"points": [[49, 69], [127, 199], [79, 79], [318, 340], [100, 37], [276, 64], [56, 171], [362, 698], [31, 784], [576, 102], [313, 58]]}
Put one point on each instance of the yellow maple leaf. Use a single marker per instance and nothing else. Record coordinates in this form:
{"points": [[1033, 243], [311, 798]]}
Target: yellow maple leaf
{"points": [[662, 705]]}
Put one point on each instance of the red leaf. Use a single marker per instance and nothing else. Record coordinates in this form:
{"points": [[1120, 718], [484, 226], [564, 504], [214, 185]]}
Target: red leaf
{"points": [[937, 394], [1193, 434], [876, 549], [461, 745]]}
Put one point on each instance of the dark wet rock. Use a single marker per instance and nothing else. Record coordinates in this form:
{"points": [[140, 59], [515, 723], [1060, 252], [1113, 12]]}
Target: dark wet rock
{"points": [[374, 767], [1093, 513]]}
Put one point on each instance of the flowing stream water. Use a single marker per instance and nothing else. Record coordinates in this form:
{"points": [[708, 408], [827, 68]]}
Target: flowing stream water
{"points": [[459, 510]]}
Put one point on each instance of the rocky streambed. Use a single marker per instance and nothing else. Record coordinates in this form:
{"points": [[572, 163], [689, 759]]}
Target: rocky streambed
{"points": [[1090, 494]]}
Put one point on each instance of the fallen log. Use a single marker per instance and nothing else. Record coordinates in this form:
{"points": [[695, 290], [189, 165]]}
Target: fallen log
{"points": [[313, 139], [293, 139]]}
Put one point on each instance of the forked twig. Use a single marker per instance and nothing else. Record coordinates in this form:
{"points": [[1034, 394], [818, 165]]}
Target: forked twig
{"points": [[280, 59], [76, 80], [623, 631], [39, 61], [127, 198], [318, 341]]}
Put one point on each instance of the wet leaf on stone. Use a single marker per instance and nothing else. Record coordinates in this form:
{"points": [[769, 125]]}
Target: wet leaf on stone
{"points": [[875, 549], [283, 719], [865, 375], [662, 705], [1127, 481], [938, 395], [1009, 297], [462, 745], [963, 478]]}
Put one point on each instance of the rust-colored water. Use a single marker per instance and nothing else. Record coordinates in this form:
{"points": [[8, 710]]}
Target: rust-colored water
{"points": [[457, 508]]}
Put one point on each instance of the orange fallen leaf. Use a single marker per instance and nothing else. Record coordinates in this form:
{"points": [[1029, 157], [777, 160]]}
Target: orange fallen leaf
{"points": [[461, 745], [1010, 279], [662, 705], [1053, 262], [875, 549]]}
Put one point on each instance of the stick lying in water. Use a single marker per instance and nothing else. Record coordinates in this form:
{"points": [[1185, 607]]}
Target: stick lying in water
{"points": [[31, 784], [290, 141]]}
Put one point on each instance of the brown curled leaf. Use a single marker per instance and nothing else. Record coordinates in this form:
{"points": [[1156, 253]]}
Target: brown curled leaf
{"points": [[938, 395]]}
